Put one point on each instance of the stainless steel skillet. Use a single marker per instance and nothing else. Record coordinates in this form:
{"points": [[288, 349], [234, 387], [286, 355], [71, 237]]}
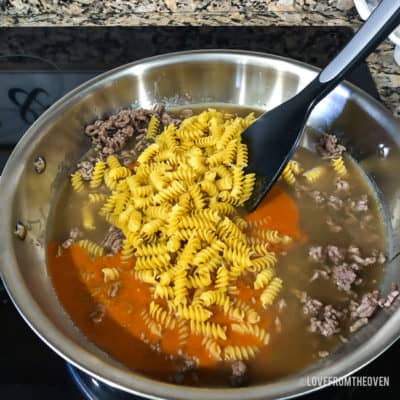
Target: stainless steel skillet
{"points": [[242, 78]]}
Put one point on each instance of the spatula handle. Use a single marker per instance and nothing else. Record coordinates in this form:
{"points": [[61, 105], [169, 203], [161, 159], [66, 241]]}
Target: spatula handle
{"points": [[384, 19]]}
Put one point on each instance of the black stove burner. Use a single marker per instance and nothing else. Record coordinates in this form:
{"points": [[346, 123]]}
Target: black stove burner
{"points": [[37, 67]]}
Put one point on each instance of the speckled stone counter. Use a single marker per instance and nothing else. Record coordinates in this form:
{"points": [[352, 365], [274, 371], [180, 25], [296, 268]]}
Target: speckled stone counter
{"points": [[206, 12]]}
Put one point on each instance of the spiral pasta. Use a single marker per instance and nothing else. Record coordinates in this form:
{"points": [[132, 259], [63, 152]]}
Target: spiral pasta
{"points": [[152, 128], [93, 248], [314, 174], [212, 347], [98, 174], [178, 208], [161, 315], [232, 353], [110, 274], [77, 182], [209, 329], [339, 167], [269, 294], [288, 175], [252, 329]]}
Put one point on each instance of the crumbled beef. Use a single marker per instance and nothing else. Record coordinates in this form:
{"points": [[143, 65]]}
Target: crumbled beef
{"points": [[335, 203], [328, 146], [86, 169], [354, 254], [366, 221], [332, 225], [316, 254], [114, 288], [98, 313], [278, 325], [341, 185], [186, 113], [312, 307], [368, 305], [327, 322], [335, 254], [359, 323], [189, 364], [387, 301], [319, 273], [318, 197], [74, 234], [113, 240], [110, 136], [282, 305], [239, 376], [343, 276], [166, 120], [359, 205], [323, 354]]}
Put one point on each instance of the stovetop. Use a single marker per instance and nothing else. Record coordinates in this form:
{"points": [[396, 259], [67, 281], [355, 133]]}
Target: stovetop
{"points": [[39, 65]]}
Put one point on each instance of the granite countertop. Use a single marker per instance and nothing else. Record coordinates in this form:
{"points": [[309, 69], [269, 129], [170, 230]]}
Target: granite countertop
{"points": [[206, 12]]}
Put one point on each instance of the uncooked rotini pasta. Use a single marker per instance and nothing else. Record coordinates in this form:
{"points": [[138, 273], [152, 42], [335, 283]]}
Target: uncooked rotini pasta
{"points": [[88, 218], [77, 182], [314, 174], [178, 208], [93, 248], [232, 353], [98, 174], [252, 329], [270, 293], [288, 175], [212, 347], [97, 198], [161, 315], [152, 128], [339, 167], [209, 329], [110, 274], [263, 278]]}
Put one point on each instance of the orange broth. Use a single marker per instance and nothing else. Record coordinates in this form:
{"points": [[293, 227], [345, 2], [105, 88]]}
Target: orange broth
{"points": [[78, 281]]}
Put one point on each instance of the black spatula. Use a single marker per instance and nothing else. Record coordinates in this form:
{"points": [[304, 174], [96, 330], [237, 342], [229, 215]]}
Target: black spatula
{"points": [[274, 136]]}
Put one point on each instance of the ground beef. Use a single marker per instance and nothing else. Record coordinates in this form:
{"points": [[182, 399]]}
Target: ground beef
{"points": [[368, 305], [335, 203], [316, 254], [354, 254], [113, 240], [327, 322], [320, 273], [341, 185], [189, 365], [186, 113], [282, 305], [332, 225], [344, 276], [328, 146], [110, 136], [355, 326], [98, 313], [390, 298], [114, 289], [317, 197], [86, 169], [312, 307], [335, 254], [359, 205], [74, 235], [239, 375]]}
